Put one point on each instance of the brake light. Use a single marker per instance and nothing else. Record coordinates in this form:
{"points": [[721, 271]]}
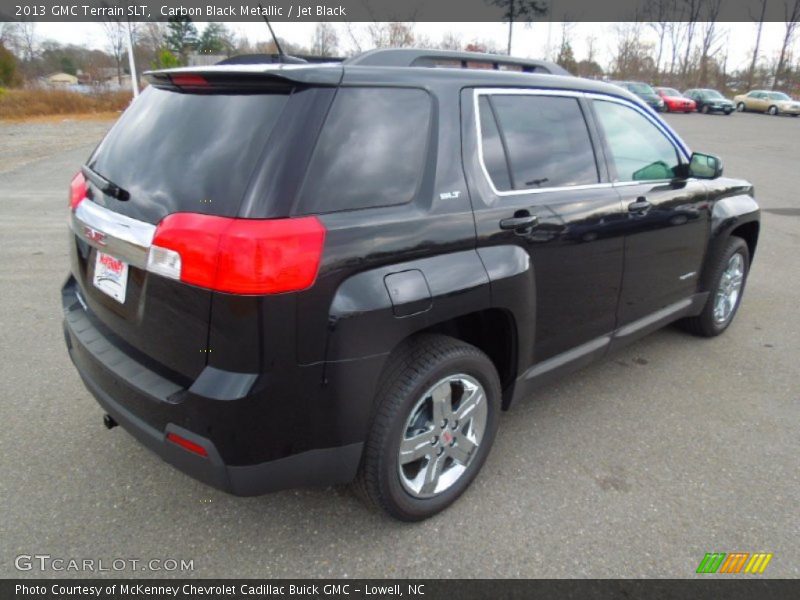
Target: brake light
{"points": [[187, 444], [239, 256], [189, 80], [77, 190]]}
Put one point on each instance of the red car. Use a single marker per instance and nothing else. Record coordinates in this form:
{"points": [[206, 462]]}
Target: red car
{"points": [[674, 101]]}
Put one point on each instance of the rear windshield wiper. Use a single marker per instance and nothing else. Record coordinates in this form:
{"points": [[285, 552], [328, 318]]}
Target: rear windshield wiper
{"points": [[107, 187]]}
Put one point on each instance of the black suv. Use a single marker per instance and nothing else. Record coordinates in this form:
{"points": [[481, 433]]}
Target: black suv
{"points": [[312, 274]]}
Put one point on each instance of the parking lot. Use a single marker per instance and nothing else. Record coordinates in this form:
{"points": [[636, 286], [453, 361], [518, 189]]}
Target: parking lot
{"points": [[634, 467]]}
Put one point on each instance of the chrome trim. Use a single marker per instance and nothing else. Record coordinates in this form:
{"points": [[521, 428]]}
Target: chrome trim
{"points": [[125, 238], [673, 137]]}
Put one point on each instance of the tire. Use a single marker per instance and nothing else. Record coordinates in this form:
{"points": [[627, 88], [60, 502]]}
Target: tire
{"points": [[740, 107], [413, 373], [704, 109], [728, 113], [794, 115], [773, 110], [706, 324]]}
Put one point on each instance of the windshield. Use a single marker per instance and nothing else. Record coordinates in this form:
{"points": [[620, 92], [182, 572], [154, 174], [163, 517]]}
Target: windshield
{"points": [[640, 88], [671, 92], [779, 96], [711, 94]]}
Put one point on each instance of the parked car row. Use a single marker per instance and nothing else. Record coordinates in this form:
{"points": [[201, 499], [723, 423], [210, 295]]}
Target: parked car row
{"points": [[705, 100]]}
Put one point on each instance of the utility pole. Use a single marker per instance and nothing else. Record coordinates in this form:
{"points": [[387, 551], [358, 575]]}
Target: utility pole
{"points": [[132, 62]]}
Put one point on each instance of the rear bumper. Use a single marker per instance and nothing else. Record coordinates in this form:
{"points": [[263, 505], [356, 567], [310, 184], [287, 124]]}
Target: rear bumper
{"points": [[150, 406]]}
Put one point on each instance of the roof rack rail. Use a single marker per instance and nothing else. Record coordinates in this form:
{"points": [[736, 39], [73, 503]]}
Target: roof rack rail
{"points": [[413, 57], [255, 59]]}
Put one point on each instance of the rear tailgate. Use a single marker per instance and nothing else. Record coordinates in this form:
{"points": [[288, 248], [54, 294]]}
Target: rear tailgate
{"points": [[170, 152]]}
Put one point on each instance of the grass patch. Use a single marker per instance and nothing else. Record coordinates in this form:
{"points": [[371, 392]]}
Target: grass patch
{"points": [[21, 104]]}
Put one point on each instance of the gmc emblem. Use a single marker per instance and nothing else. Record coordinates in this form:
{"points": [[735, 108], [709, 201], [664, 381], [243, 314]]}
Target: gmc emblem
{"points": [[98, 237]]}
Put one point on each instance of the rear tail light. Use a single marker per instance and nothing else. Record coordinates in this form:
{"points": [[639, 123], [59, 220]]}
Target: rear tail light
{"points": [[77, 190], [239, 256]]}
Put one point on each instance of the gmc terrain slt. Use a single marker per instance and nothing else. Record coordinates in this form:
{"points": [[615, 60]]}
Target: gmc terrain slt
{"points": [[285, 275]]}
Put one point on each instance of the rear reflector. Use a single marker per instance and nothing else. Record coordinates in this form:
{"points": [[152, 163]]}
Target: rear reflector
{"points": [[77, 190], [186, 444], [239, 256]]}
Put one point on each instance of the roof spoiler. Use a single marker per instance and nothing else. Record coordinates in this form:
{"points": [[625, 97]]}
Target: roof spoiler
{"points": [[244, 78], [411, 57]]}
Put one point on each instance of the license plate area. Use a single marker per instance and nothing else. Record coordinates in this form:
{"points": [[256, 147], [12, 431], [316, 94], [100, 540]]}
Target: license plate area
{"points": [[111, 276]]}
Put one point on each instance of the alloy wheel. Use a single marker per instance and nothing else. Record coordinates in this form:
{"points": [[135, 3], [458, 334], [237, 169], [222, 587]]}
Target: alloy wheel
{"points": [[729, 289], [442, 435]]}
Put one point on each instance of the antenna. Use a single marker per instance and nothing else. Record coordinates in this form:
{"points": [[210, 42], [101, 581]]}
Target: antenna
{"points": [[281, 53]]}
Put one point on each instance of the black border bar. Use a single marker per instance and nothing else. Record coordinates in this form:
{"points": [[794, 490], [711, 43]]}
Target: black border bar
{"points": [[730, 588]]}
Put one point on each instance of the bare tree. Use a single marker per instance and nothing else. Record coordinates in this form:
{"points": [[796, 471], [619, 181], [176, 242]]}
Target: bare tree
{"points": [[325, 41], [520, 10], [676, 32], [660, 13], [391, 35], [753, 63], [791, 14], [451, 41], [354, 38], [115, 43], [591, 51], [709, 42], [28, 39], [693, 8], [631, 58]]}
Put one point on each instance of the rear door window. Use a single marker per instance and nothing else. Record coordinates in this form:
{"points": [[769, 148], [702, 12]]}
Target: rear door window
{"points": [[187, 152], [546, 140], [371, 152]]}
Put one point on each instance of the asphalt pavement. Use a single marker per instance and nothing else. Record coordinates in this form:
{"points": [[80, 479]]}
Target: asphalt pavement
{"points": [[634, 467]]}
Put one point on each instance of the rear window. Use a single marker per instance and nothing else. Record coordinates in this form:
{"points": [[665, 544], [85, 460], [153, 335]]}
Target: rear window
{"points": [[371, 152], [187, 152]]}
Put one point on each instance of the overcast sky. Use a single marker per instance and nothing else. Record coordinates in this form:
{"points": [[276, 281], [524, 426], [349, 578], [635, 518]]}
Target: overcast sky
{"points": [[530, 41]]}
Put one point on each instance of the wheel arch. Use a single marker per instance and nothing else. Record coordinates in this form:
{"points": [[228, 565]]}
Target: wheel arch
{"points": [[494, 332], [735, 213]]}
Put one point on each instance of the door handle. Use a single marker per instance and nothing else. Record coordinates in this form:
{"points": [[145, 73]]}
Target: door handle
{"points": [[521, 222], [641, 205]]}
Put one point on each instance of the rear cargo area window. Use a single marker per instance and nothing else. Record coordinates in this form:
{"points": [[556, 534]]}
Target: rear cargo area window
{"points": [[371, 152], [545, 138], [187, 152]]}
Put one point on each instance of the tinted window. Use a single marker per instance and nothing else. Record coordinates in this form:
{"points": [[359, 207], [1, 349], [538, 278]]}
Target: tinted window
{"points": [[187, 152], [372, 150], [494, 157], [639, 149], [546, 139]]}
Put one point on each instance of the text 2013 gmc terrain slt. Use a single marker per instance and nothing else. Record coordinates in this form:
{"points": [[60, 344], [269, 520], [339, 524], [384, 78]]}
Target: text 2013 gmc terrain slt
{"points": [[285, 275]]}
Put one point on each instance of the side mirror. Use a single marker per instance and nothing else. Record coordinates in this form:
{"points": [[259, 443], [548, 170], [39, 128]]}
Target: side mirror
{"points": [[705, 166]]}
